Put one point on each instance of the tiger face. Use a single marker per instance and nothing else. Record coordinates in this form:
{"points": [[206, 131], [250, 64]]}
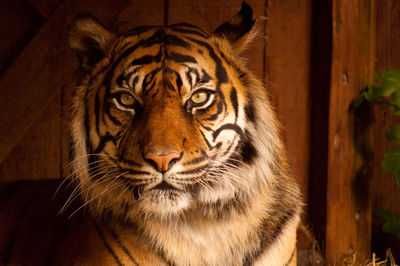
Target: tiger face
{"points": [[163, 125]]}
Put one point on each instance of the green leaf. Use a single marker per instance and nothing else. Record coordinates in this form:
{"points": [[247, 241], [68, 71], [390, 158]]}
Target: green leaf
{"points": [[393, 133], [370, 93], [396, 99], [388, 88], [391, 161], [390, 227], [386, 215], [358, 101], [391, 74]]}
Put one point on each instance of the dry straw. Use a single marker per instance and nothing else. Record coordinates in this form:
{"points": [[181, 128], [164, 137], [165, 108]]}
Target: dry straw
{"points": [[351, 260]]}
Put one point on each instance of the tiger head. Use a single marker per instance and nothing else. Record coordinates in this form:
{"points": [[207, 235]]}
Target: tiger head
{"points": [[169, 121]]}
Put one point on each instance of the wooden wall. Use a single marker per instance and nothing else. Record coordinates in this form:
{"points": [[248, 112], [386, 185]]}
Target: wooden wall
{"points": [[386, 194], [313, 56]]}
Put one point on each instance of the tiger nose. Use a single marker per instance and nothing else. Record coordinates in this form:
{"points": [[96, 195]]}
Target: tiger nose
{"points": [[163, 161]]}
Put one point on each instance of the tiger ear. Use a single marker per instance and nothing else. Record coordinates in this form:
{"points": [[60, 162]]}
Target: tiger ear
{"points": [[89, 40], [238, 30]]}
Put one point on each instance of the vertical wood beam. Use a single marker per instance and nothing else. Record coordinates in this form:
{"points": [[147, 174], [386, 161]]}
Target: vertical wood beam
{"points": [[348, 226], [287, 77]]}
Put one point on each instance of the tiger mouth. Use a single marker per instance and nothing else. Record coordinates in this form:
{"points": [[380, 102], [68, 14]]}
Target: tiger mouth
{"points": [[165, 186]]}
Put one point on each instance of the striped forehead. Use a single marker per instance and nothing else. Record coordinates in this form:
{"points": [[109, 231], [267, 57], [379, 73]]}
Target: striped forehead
{"points": [[151, 54]]}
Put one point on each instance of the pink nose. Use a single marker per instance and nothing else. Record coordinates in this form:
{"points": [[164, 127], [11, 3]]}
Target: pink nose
{"points": [[164, 161]]}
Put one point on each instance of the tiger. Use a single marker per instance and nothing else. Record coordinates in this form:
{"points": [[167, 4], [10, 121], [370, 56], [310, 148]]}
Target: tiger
{"points": [[176, 158]]}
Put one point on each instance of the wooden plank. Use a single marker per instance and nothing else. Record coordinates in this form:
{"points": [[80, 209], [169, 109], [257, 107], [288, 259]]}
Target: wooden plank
{"points": [[386, 192], [47, 64], [200, 12], [287, 75], [18, 23], [348, 214], [37, 156]]}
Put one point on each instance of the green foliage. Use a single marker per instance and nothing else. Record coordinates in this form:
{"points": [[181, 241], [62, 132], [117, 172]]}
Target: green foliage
{"points": [[392, 222], [386, 90], [393, 134]]}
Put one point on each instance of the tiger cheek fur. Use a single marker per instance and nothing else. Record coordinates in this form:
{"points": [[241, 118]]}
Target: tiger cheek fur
{"points": [[175, 138]]}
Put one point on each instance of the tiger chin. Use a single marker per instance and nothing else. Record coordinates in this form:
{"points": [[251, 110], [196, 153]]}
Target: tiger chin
{"points": [[176, 150]]}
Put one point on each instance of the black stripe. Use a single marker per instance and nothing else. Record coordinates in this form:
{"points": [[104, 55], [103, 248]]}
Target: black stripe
{"points": [[196, 74], [214, 116], [269, 231], [220, 71], [196, 160], [117, 260], [110, 116], [134, 182], [124, 78], [121, 79], [87, 125], [134, 82], [147, 59], [150, 88], [205, 77], [207, 142], [148, 79], [180, 58], [130, 162], [122, 246], [138, 30], [249, 111], [97, 110], [233, 127], [245, 151], [179, 83], [156, 38], [234, 102], [175, 41], [193, 171], [134, 172], [103, 140]]}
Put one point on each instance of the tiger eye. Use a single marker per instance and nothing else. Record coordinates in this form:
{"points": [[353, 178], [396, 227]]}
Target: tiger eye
{"points": [[199, 97], [126, 99]]}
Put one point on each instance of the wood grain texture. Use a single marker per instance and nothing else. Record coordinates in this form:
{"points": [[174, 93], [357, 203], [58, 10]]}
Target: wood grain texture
{"points": [[287, 77], [385, 193], [348, 222], [18, 24], [37, 155]]}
